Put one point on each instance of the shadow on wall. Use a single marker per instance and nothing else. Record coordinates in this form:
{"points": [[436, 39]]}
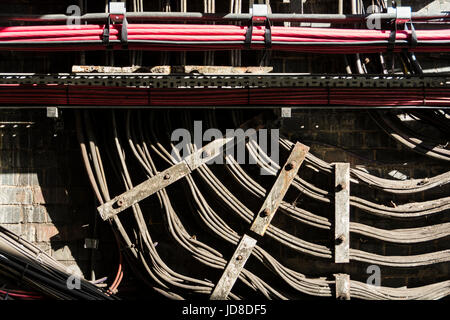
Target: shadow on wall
{"points": [[45, 196]]}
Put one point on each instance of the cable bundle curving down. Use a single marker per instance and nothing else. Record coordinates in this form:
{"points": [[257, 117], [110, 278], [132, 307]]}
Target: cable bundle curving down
{"points": [[76, 95]]}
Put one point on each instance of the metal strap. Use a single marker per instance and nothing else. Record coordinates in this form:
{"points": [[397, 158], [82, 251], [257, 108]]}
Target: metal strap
{"points": [[342, 213], [342, 286], [268, 35], [106, 33], [249, 35]]}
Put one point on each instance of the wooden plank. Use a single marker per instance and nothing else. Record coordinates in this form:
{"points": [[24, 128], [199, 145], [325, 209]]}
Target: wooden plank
{"points": [[342, 286], [342, 212], [233, 268], [172, 69], [174, 173], [279, 189]]}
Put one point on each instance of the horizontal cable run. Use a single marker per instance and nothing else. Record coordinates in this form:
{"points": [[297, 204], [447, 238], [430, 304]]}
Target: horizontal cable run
{"points": [[70, 95], [201, 37]]}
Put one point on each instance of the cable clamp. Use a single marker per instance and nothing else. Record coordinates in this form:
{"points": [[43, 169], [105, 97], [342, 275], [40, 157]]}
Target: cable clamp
{"points": [[117, 15], [413, 40], [260, 16], [105, 36]]}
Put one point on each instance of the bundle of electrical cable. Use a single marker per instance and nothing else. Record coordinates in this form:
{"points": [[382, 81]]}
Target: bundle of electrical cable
{"points": [[76, 95], [201, 37], [147, 141], [28, 265]]}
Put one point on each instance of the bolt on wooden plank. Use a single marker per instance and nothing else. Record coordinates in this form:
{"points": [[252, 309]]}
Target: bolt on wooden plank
{"points": [[233, 268], [342, 213], [279, 189]]}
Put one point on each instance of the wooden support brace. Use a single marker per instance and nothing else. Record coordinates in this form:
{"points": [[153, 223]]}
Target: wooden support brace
{"points": [[233, 268], [342, 213], [261, 222], [174, 173], [172, 69], [279, 189], [342, 286]]}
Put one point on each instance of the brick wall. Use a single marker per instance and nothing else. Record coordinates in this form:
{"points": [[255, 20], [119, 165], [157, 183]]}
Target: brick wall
{"points": [[44, 194]]}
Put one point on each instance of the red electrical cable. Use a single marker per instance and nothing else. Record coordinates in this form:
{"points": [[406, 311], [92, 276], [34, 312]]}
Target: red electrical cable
{"points": [[217, 37], [119, 275], [71, 95]]}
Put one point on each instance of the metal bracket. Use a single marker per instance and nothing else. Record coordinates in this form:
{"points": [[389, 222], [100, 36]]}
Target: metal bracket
{"points": [[402, 14], [279, 189], [52, 112], [286, 112], [117, 7], [233, 268], [117, 14], [342, 286], [342, 212], [261, 222], [259, 12]]}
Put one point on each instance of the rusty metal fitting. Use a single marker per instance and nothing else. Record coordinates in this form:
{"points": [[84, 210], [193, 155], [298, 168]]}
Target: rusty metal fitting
{"points": [[290, 166]]}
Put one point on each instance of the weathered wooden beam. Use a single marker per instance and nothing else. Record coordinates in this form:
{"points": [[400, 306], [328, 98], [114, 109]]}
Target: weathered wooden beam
{"points": [[279, 189], [342, 212], [342, 286], [261, 222], [163, 179], [233, 268], [143, 190], [172, 69]]}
